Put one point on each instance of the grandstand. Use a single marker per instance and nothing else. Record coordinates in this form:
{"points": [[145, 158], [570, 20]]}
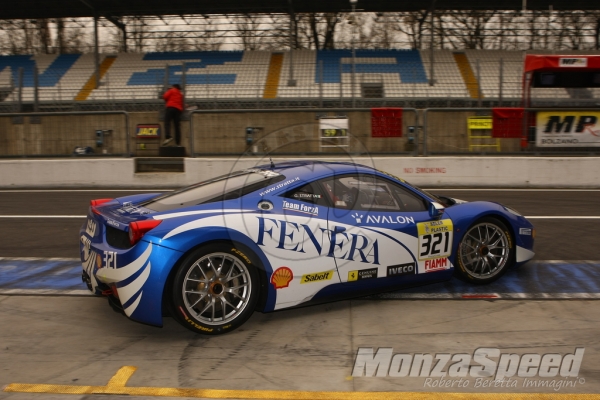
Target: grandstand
{"points": [[380, 76]]}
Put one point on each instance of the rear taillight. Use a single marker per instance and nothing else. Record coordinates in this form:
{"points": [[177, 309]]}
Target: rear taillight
{"points": [[139, 229], [97, 202]]}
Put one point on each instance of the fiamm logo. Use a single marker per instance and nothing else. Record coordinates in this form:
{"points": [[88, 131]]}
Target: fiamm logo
{"points": [[566, 123]]}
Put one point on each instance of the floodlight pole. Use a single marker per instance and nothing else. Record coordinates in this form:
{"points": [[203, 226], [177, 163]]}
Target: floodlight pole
{"points": [[352, 78], [431, 53], [96, 52], [291, 81], [123, 29]]}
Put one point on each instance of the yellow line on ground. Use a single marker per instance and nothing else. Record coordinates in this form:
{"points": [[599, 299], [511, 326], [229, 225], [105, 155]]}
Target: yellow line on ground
{"points": [[116, 386], [122, 376]]}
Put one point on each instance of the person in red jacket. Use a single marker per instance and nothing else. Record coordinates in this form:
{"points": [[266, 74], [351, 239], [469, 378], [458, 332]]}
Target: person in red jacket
{"points": [[174, 106]]}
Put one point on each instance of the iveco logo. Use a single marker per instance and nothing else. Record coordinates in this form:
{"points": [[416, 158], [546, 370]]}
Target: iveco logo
{"points": [[401, 269]]}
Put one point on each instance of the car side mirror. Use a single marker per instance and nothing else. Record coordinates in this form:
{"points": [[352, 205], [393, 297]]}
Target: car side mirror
{"points": [[435, 210]]}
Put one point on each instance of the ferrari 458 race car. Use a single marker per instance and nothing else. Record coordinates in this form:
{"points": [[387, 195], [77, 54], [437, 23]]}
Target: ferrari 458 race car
{"points": [[280, 236]]}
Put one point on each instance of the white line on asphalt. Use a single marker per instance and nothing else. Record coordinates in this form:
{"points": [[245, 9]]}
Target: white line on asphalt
{"points": [[563, 217], [46, 292], [529, 217], [84, 190], [487, 296], [38, 259], [170, 190], [389, 296], [42, 216], [514, 190]]}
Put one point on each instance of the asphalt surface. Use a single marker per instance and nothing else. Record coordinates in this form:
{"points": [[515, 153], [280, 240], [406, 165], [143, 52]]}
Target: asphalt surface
{"points": [[556, 239], [72, 340]]}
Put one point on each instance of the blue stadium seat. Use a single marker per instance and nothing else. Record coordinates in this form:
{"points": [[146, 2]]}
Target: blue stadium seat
{"points": [[408, 64], [47, 78], [197, 59]]}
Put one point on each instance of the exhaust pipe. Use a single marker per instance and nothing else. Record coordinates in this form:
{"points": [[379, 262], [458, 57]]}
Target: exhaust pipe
{"points": [[86, 279]]}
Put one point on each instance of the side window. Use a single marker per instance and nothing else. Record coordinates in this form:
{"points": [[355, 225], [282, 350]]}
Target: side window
{"points": [[409, 201], [309, 193], [360, 192], [368, 192]]}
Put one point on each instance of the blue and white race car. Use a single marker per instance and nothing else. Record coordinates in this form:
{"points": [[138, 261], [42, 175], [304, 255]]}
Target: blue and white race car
{"points": [[280, 236]]}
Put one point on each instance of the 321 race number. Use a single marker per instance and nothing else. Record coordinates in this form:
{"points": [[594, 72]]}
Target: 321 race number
{"points": [[110, 259], [435, 239]]}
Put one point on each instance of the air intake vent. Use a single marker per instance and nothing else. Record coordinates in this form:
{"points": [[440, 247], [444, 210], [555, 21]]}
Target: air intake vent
{"points": [[117, 238]]}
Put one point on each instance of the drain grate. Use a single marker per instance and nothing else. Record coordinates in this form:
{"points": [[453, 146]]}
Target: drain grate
{"points": [[159, 164]]}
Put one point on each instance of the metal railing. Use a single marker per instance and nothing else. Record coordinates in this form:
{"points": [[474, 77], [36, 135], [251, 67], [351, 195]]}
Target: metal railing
{"points": [[321, 84], [261, 132]]}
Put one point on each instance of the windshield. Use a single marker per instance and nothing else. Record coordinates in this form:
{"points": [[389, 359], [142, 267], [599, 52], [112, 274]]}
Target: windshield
{"points": [[426, 193], [418, 189], [225, 187]]}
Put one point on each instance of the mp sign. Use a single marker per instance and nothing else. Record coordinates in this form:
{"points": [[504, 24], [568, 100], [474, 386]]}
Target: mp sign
{"points": [[568, 129]]}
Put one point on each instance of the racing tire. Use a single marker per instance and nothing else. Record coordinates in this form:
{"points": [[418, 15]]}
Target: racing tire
{"points": [[485, 252], [215, 290]]}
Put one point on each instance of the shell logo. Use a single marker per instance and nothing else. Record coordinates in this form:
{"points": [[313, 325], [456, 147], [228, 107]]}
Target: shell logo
{"points": [[282, 277]]}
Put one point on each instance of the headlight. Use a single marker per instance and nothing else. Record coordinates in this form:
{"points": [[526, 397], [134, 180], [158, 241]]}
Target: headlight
{"points": [[512, 211]]}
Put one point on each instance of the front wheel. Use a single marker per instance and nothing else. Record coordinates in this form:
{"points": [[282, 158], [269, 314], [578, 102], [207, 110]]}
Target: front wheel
{"points": [[215, 290], [485, 252]]}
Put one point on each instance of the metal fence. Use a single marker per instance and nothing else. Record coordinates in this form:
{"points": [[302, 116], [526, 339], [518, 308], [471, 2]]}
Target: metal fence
{"points": [[60, 134], [295, 132], [457, 79], [455, 131], [263, 132]]}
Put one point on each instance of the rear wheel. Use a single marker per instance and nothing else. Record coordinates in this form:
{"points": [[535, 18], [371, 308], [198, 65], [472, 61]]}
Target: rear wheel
{"points": [[215, 290], [485, 252]]}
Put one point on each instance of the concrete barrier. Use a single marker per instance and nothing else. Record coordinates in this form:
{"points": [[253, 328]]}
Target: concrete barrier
{"points": [[517, 172]]}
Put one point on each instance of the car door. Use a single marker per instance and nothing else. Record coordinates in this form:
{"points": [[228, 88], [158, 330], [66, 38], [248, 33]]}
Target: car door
{"points": [[293, 234], [384, 230]]}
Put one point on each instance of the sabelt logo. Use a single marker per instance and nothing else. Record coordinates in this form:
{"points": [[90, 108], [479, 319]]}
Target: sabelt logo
{"points": [[317, 277]]}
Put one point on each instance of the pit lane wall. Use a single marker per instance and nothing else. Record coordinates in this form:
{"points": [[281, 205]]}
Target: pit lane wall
{"points": [[514, 172]]}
